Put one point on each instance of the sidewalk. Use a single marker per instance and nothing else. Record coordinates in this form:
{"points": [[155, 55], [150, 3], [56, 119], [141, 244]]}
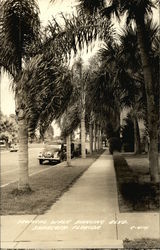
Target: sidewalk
{"points": [[86, 216]]}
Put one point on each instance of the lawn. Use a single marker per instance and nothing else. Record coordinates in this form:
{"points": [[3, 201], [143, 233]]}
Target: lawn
{"points": [[135, 191], [46, 188], [142, 244]]}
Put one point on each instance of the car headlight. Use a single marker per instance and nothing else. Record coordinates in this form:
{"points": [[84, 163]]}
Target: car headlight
{"points": [[56, 154]]}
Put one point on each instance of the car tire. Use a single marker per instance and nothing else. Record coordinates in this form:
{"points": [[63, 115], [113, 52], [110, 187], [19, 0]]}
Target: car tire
{"points": [[40, 162]]}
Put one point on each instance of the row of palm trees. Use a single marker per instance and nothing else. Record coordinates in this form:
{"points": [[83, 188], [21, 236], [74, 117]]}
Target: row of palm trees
{"points": [[126, 64], [136, 12], [38, 65]]}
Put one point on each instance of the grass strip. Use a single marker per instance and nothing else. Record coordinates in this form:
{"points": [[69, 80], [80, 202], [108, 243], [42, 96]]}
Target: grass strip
{"points": [[46, 188], [144, 243], [135, 193]]}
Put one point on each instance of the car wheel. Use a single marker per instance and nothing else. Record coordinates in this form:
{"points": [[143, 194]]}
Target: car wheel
{"points": [[40, 161], [60, 159]]}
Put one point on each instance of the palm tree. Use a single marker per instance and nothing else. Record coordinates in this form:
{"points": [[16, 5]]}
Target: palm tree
{"points": [[80, 77], [68, 122], [128, 73], [137, 139], [121, 61], [19, 28], [68, 139], [135, 88], [91, 120], [103, 98]]}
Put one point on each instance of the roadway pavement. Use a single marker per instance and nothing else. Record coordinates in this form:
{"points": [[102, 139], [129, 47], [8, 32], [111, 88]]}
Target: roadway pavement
{"points": [[9, 164], [86, 216]]}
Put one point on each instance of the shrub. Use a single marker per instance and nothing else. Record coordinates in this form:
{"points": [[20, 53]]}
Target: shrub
{"points": [[134, 194], [114, 144]]}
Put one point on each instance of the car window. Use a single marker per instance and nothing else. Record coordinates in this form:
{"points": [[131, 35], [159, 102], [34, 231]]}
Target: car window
{"points": [[2, 143], [52, 147]]}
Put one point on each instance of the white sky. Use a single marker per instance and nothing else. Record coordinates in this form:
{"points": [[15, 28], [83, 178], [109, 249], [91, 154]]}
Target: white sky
{"points": [[46, 11]]}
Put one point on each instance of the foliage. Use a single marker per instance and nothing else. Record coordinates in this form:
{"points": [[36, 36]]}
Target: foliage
{"points": [[103, 93], [8, 128], [70, 120], [49, 134], [144, 243], [48, 70], [72, 116], [134, 89], [51, 91], [19, 28], [121, 65], [135, 191], [128, 135], [114, 144], [132, 9], [77, 32], [90, 6]]}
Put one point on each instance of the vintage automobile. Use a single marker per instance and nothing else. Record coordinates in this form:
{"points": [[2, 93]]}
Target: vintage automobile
{"points": [[52, 153], [2, 144], [13, 148]]}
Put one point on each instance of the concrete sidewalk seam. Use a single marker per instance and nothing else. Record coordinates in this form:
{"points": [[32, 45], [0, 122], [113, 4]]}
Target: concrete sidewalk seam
{"points": [[25, 228]]}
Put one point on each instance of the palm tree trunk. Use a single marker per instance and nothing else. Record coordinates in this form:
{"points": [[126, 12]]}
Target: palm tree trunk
{"points": [[23, 183], [98, 137], [151, 106], [95, 137], [137, 146], [83, 135], [68, 150], [91, 138]]}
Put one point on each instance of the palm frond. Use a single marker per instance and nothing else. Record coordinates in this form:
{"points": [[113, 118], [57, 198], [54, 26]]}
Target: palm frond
{"points": [[70, 120], [49, 85], [90, 6], [19, 28]]}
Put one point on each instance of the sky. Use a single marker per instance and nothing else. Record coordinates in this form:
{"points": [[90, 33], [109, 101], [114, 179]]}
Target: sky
{"points": [[46, 11]]}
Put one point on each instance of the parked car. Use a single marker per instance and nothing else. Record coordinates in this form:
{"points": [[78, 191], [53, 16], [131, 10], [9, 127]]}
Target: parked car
{"points": [[56, 152], [14, 148], [2, 144], [52, 153]]}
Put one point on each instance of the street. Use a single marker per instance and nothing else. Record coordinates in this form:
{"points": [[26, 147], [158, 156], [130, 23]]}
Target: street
{"points": [[9, 164]]}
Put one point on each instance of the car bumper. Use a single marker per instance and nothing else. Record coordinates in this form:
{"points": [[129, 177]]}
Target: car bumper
{"points": [[48, 159]]}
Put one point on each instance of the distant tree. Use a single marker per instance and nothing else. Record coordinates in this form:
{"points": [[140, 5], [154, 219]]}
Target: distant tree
{"points": [[49, 133], [8, 128]]}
